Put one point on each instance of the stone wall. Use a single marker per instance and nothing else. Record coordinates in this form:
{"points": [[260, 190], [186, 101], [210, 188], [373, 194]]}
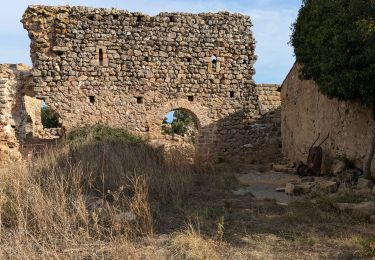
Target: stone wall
{"points": [[306, 113], [13, 118], [129, 70], [268, 97]]}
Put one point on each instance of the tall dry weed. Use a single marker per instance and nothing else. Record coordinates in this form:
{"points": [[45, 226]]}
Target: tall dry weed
{"points": [[81, 193]]}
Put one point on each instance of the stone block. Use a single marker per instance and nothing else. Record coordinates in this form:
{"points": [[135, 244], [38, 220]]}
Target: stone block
{"points": [[364, 184]]}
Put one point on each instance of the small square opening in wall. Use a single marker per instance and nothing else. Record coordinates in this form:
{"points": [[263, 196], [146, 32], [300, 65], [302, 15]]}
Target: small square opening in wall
{"points": [[147, 129], [231, 94], [92, 99], [189, 59], [139, 100], [191, 98]]}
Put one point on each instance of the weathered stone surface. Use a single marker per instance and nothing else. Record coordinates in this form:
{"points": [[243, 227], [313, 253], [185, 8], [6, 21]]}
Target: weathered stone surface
{"points": [[372, 219], [338, 166], [129, 70], [299, 188], [306, 113], [327, 186], [363, 209], [14, 125], [289, 188], [364, 184], [281, 168]]}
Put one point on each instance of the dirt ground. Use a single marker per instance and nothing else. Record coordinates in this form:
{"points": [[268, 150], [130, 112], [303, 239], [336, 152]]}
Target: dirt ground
{"points": [[258, 223]]}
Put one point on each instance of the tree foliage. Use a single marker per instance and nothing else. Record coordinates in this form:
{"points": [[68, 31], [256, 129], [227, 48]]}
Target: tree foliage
{"points": [[334, 41], [181, 120], [49, 118]]}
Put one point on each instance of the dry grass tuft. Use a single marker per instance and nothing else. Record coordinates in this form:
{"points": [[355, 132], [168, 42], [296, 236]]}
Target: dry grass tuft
{"points": [[190, 244]]}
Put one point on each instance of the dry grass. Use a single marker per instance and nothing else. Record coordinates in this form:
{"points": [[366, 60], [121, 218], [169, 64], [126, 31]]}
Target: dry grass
{"points": [[87, 192], [108, 195], [190, 244]]}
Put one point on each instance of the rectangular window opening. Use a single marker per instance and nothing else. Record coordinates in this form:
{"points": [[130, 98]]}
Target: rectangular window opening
{"points": [[231, 94], [101, 57], [191, 98], [188, 59], [92, 99], [139, 100]]}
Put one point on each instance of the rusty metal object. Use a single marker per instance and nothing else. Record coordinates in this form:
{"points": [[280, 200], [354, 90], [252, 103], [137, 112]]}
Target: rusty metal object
{"points": [[314, 160]]}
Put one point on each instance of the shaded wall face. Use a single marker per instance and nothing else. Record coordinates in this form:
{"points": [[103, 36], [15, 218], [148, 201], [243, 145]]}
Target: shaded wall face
{"points": [[306, 113], [123, 69]]}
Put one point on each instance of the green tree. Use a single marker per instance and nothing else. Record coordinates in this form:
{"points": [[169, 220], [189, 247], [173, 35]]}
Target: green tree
{"points": [[49, 118], [181, 120], [334, 41]]}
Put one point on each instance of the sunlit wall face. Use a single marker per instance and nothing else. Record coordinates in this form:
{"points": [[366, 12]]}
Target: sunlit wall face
{"points": [[271, 19]]}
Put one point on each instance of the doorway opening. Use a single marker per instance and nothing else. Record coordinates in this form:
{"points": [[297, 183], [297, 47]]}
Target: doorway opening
{"points": [[180, 123]]}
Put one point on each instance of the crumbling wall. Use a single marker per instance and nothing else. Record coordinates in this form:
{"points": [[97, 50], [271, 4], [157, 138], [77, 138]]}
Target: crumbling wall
{"points": [[129, 69], [306, 113], [13, 118]]}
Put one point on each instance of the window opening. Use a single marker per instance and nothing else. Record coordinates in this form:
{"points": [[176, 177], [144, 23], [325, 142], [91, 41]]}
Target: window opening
{"points": [[190, 98], [101, 57], [139, 100], [231, 94], [92, 99]]}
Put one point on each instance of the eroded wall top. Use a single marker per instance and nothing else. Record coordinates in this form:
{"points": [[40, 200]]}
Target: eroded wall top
{"points": [[115, 67]]}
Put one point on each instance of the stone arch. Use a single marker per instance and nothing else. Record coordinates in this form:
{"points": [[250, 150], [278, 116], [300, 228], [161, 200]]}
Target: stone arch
{"points": [[204, 145]]}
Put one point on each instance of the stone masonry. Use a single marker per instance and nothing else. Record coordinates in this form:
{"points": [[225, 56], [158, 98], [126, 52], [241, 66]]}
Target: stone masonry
{"points": [[130, 69], [19, 113]]}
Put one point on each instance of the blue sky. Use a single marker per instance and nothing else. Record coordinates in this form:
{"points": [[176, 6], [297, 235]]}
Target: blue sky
{"points": [[271, 18]]}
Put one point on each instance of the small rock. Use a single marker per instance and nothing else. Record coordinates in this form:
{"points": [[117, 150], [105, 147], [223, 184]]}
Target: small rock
{"points": [[280, 168], [280, 189], [363, 209], [289, 188], [242, 192], [307, 179], [363, 191], [338, 166], [327, 186], [299, 188], [364, 183], [305, 187]]}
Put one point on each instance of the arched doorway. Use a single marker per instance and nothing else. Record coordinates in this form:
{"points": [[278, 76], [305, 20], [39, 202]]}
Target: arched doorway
{"points": [[204, 138], [180, 129]]}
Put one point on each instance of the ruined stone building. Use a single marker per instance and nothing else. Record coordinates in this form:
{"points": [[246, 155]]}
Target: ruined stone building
{"points": [[129, 70]]}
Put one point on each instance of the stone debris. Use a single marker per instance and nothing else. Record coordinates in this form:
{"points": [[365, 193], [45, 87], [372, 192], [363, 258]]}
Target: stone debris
{"points": [[282, 168], [242, 192], [308, 185], [362, 210], [338, 166], [364, 184]]}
